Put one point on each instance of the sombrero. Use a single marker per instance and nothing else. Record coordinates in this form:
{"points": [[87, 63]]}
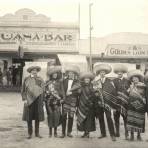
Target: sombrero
{"points": [[87, 75], [102, 67], [146, 77], [136, 73], [72, 68], [38, 68], [54, 69], [120, 68], [140, 85]]}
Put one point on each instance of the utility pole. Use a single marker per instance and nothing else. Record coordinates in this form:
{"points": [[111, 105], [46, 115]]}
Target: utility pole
{"points": [[90, 45]]}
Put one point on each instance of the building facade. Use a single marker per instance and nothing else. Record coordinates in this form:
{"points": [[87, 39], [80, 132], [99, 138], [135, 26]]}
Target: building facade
{"points": [[123, 47], [27, 36]]}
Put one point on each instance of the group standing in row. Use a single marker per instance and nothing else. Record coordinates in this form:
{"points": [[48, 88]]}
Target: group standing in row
{"points": [[88, 96]]}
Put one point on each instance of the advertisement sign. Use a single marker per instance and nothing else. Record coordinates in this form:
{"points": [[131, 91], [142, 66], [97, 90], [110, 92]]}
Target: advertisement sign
{"points": [[52, 40], [127, 50]]}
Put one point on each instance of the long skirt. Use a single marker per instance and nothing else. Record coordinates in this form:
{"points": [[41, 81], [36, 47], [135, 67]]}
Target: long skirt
{"points": [[135, 120], [54, 116], [89, 123]]}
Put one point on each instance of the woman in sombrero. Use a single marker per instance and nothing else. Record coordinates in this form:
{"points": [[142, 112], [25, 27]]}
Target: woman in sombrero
{"points": [[136, 106], [54, 96]]}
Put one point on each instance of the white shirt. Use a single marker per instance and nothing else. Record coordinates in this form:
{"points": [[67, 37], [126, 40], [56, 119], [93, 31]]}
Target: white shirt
{"points": [[103, 79], [69, 85]]}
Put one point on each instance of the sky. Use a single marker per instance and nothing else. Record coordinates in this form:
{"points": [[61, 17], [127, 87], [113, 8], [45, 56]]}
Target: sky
{"points": [[108, 16]]}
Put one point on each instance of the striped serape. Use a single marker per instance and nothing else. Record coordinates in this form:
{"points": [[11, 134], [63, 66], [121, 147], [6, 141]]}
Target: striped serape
{"points": [[136, 112]]}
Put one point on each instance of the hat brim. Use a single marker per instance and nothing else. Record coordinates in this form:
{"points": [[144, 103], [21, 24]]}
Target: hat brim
{"points": [[72, 68], [138, 74], [54, 70], [102, 67], [38, 68], [140, 85], [120, 68], [87, 75]]}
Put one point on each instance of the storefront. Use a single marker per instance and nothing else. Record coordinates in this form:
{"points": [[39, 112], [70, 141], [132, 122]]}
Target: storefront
{"points": [[26, 36], [127, 53], [129, 48]]}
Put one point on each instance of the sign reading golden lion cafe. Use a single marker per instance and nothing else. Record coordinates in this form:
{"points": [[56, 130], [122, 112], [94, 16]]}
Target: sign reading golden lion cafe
{"points": [[127, 50]]}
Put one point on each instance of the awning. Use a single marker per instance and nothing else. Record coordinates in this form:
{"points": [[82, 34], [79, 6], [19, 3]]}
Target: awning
{"points": [[79, 60]]}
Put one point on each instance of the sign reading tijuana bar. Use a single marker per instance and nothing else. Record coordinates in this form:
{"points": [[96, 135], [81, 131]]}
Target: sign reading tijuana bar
{"points": [[44, 38], [124, 50]]}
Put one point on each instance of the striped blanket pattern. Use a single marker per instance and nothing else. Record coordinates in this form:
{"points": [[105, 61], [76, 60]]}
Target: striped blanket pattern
{"points": [[84, 105], [136, 113]]}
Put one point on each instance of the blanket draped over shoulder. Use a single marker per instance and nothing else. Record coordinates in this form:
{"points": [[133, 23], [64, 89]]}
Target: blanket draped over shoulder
{"points": [[32, 89], [86, 103], [123, 100], [107, 95], [136, 112]]}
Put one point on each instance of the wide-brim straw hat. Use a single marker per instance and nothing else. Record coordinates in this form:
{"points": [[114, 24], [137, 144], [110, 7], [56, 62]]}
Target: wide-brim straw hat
{"points": [[102, 67], [89, 75], [135, 73], [54, 69], [38, 68], [146, 77], [72, 68], [140, 85], [120, 68]]}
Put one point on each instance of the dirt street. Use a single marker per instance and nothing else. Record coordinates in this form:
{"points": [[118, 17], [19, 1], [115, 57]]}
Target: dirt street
{"points": [[13, 131]]}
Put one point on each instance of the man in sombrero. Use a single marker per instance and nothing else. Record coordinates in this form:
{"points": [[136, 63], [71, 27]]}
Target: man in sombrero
{"points": [[32, 95], [70, 99], [121, 85], [106, 93]]}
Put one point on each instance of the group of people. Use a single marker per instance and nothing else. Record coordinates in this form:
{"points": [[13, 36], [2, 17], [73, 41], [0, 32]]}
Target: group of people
{"points": [[89, 96], [6, 77]]}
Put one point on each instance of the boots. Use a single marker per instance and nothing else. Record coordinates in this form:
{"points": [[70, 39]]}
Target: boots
{"points": [[29, 130], [85, 135], [64, 118], [55, 132], [37, 129], [50, 132], [69, 126], [139, 136], [132, 136]]}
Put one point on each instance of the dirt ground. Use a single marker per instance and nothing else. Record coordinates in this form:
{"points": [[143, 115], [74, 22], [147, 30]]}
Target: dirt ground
{"points": [[13, 131]]}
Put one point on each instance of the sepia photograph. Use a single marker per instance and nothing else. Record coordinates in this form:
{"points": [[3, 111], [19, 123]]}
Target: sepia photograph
{"points": [[73, 73]]}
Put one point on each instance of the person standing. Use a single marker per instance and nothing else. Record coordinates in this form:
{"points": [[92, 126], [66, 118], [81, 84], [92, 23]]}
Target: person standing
{"points": [[70, 99], [54, 98], [136, 106], [121, 85], [9, 76], [86, 105], [32, 95], [106, 93], [1, 77]]}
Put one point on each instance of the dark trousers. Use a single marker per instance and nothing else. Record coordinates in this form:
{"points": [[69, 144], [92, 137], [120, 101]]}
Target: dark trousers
{"points": [[50, 130], [30, 128], [69, 124], [117, 122], [109, 122]]}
